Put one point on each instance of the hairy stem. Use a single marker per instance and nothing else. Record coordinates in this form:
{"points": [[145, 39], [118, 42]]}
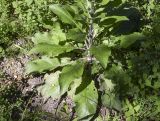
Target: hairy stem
{"points": [[90, 36]]}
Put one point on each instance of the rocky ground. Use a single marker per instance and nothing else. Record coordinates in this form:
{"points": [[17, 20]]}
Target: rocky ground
{"points": [[13, 69]]}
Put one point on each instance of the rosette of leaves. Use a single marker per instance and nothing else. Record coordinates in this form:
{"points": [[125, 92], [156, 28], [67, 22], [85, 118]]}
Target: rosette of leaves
{"points": [[76, 53]]}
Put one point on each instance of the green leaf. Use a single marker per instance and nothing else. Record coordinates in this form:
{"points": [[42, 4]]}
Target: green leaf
{"points": [[101, 53], [111, 101], [130, 109], [53, 37], [112, 19], [120, 18], [72, 9], [58, 36], [42, 38], [50, 49], [100, 118], [1, 49], [86, 102], [64, 15], [76, 35], [114, 3], [51, 87], [105, 2], [127, 40], [106, 84], [41, 65], [82, 6], [137, 108], [15, 4], [65, 61], [86, 79], [29, 2], [69, 74], [74, 85]]}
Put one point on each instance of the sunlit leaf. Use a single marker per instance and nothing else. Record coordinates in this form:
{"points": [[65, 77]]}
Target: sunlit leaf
{"points": [[106, 84], [41, 65], [74, 85], [51, 87], [76, 35], [114, 3], [127, 40], [50, 49], [112, 19], [69, 74], [53, 37], [101, 53], [64, 15], [104, 2], [111, 101], [29, 2], [86, 102]]}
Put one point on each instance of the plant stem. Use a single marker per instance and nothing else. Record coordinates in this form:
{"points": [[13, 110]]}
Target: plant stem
{"points": [[90, 36]]}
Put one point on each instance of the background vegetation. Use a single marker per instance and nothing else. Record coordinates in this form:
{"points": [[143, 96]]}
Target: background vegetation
{"points": [[131, 73]]}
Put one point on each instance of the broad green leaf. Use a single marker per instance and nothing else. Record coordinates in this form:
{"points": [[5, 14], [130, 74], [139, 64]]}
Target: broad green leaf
{"points": [[86, 102], [104, 2], [53, 37], [29, 2], [50, 49], [111, 101], [65, 61], [83, 6], [58, 36], [97, 29], [101, 53], [51, 87], [76, 35], [120, 18], [127, 40], [95, 67], [72, 9], [86, 79], [112, 19], [41, 65], [156, 85], [100, 118], [137, 108], [106, 84], [42, 38], [120, 77], [130, 109], [75, 84], [114, 3], [69, 74], [148, 83], [1, 49], [15, 4], [99, 11], [64, 15]]}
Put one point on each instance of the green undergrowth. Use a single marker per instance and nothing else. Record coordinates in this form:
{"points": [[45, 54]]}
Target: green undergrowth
{"points": [[20, 20]]}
